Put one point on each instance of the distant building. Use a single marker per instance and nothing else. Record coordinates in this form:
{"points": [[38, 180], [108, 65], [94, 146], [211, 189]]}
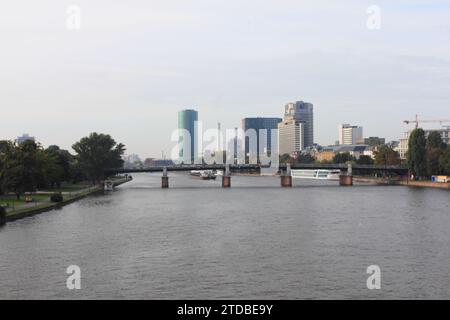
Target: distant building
{"points": [[304, 113], [152, 162], [132, 161], [350, 135], [291, 136], [374, 141], [24, 137], [356, 151], [325, 155], [163, 163], [186, 124], [149, 162], [402, 148], [258, 124], [445, 134]]}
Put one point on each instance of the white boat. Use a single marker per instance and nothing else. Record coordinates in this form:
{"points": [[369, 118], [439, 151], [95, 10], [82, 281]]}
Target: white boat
{"points": [[319, 174], [196, 173], [108, 185], [204, 174], [218, 173]]}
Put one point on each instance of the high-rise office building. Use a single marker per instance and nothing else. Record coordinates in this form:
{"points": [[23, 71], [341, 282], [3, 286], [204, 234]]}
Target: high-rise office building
{"points": [[258, 124], [350, 134], [303, 112], [186, 124], [291, 136]]}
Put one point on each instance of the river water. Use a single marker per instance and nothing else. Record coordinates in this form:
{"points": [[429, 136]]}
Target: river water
{"points": [[252, 241]]}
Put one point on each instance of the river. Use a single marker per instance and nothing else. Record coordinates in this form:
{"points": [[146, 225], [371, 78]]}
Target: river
{"points": [[252, 241]]}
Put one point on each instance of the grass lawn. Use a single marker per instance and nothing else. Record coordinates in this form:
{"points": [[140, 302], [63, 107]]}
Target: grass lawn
{"points": [[69, 188], [12, 200]]}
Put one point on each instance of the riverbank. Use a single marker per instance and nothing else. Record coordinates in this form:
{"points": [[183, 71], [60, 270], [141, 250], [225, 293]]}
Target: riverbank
{"points": [[426, 184], [390, 181], [68, 199]]}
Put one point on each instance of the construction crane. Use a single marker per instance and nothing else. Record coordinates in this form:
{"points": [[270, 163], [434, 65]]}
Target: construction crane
{"points": [[416, 121]]}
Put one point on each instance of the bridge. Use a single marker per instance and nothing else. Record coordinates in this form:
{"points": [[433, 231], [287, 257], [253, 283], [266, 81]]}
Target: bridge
{"points": [[357, 168], [284, 170]]}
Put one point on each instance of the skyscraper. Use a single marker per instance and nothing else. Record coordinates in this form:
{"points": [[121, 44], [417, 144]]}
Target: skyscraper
{"points": [[304, 113], [258, 124], [291, 136], [186, 125]]}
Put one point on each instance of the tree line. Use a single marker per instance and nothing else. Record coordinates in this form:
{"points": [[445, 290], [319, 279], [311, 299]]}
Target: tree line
{"points": [[427, 156], [28, 166]]}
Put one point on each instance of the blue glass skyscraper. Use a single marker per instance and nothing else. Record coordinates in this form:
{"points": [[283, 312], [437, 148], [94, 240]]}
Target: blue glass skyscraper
{"points": [[186, 124]]}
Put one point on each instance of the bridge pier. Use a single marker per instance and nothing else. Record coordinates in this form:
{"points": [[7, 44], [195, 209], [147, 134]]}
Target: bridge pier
{"points": [[226, 178], [347, 179], [165, 179], [286, 178]]}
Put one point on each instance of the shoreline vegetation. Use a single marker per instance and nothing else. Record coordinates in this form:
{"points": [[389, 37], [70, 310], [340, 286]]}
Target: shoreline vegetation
{"points": [[34, 179], [69, 197]]}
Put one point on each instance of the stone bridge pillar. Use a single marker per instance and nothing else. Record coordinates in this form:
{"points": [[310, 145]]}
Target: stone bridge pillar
{"points": [[286, 178], [165, 179], [226, 178], [347, 179]]}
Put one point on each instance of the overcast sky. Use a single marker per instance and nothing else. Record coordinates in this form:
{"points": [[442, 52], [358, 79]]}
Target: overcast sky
{"points": [[133, 64]]}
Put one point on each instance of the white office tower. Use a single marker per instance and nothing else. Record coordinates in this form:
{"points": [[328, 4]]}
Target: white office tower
{"points": [[350, 134], [291, 136]]}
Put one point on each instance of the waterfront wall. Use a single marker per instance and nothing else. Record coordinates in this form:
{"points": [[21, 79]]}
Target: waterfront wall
{"points": [[427, 184], [408, 183], [52, 206]]}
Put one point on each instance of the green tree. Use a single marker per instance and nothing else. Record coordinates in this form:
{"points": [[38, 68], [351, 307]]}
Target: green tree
{"points": [[97, 153], [444, 162], [433, 157], [62, 165], [343, 157], [434, 140], [305, 158], [25, 168], [416, 155], [365, 160], [386, 156], [435, 149], [6, 152], [285, 158]]}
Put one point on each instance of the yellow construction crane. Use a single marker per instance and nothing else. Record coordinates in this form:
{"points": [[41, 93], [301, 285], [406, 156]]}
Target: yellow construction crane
{"points": [[416, 121]]}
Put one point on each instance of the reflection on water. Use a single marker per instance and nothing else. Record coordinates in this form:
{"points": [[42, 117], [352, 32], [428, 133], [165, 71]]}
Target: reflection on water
{"points": [[254, 240]]}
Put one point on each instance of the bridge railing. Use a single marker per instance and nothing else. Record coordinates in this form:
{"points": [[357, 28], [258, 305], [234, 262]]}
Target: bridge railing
{"points": [[238, 167]]}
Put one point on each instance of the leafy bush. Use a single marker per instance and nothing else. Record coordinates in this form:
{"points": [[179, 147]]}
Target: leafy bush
{"points": [[56, 197]]}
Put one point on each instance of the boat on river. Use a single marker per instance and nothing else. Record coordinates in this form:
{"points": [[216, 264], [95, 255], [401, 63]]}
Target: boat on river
{"points": [[204, 174], [319, 174]]}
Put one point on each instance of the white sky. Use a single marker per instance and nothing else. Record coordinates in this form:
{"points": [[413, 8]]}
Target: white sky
{"points": [[134, 64]]}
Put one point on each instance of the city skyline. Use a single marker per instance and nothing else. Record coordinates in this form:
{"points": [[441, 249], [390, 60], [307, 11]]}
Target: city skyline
{"points": [[225, 159], [142, 62]]}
